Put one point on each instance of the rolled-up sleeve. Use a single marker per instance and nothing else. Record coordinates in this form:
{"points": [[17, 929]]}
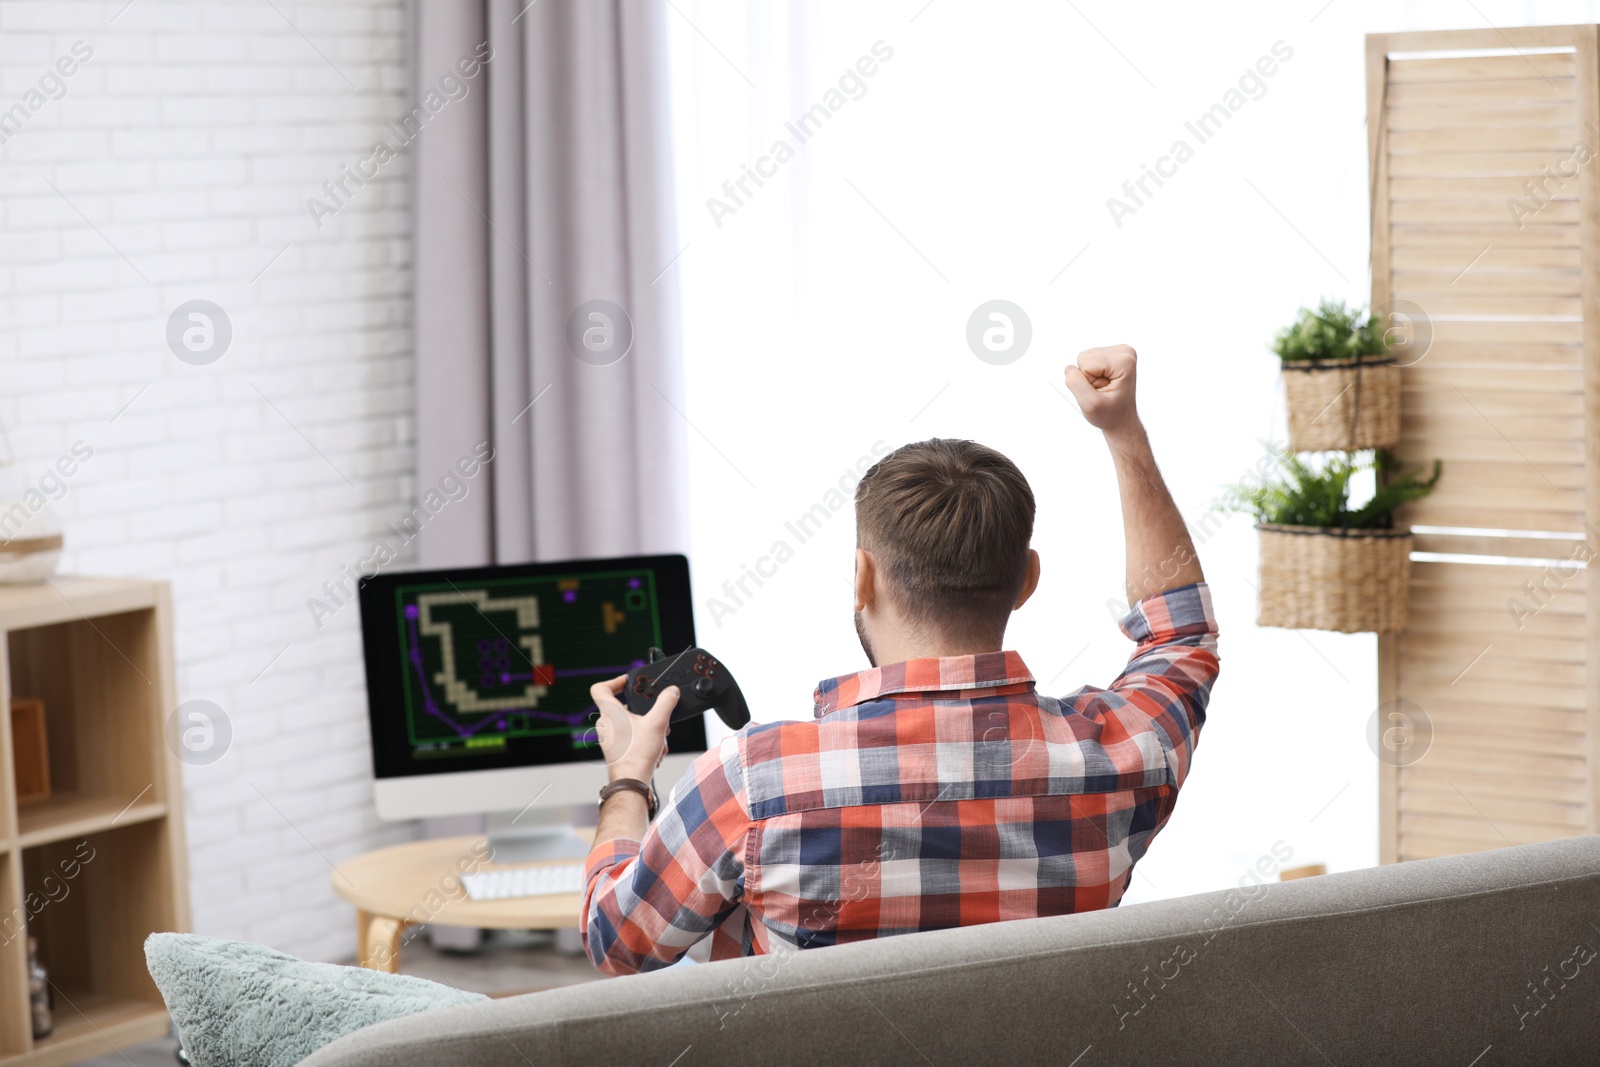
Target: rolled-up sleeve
{"points": [[645, 903], [1174, 665]]}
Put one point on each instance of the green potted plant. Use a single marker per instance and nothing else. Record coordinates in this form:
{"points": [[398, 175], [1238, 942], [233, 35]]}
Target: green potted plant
{"points": [[1343, 390], [1325, 564]]}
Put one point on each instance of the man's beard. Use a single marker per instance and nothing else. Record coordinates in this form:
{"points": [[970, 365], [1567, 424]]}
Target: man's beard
{"points": [[866, 646]]}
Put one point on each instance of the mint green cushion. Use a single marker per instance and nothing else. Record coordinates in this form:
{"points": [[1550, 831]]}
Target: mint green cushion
{"points": [[242, 1004]]}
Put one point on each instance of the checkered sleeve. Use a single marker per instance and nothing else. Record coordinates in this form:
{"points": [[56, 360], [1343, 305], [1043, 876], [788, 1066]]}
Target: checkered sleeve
{"points": [[645, 903], [1169, 678]]}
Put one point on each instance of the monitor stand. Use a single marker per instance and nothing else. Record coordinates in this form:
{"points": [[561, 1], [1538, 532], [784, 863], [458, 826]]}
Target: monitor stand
{"points": [[535, 834]]}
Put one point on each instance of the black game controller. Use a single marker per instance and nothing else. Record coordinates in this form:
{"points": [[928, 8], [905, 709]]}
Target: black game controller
{"points": [[702, 683]]}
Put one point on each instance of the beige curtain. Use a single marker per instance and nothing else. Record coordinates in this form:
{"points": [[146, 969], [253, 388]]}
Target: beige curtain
{"points": [[545, 234]]}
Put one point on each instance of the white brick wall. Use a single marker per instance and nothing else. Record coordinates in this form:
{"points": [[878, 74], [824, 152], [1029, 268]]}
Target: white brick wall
{"points": [[190, 142]]}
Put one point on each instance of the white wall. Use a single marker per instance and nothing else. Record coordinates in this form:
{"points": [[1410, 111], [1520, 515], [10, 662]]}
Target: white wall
{"points": [[182, 155]]}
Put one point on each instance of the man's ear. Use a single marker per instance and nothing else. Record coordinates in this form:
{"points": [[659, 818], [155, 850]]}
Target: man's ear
{"points": [[1031, 582], [866, 572]]}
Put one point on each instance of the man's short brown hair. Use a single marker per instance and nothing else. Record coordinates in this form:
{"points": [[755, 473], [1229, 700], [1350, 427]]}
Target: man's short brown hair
{"points": [[949, 523]]}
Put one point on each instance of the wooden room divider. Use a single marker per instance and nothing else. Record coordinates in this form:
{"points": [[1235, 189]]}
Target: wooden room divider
{"points": [[1485, 216]]}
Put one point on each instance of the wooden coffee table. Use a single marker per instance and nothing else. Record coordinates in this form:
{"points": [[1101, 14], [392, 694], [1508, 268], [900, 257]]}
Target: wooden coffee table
{"points": [[418, 882]]}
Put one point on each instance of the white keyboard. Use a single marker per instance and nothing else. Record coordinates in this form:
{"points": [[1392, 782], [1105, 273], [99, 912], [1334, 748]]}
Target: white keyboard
{"points": [[545, 880]]}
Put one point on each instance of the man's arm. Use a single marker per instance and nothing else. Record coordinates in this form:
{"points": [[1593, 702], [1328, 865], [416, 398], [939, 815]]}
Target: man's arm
{"points": [[1160, 554], [645, 902], [650, 892], [1168, 680]]}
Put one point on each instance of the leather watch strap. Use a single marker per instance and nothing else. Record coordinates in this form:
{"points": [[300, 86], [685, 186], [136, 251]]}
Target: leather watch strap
{"points": [[630, 785]]}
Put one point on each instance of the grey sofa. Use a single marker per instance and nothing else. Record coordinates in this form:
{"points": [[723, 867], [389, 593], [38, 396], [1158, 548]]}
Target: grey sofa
{"points": [[1480, 960]]}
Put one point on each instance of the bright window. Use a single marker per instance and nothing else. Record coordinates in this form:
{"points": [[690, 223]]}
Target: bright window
{"points": [[826, 309]]}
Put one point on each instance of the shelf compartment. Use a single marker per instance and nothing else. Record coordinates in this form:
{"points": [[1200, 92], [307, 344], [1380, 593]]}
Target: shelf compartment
{"points": [[73, 599], [93, 900], [91, 1024], [99, 680], [72, 815]]}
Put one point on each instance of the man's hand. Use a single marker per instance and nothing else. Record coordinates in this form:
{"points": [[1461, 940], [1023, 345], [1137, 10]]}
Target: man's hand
{"points": [[1160, 552], [1102, 382], [633, 744]]}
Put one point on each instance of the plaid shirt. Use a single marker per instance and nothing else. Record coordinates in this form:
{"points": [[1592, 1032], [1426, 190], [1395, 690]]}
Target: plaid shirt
{"points": [[925, 794]]}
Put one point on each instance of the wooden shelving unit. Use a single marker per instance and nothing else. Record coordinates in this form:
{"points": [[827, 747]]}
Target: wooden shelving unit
{"points": [[100, 864]]}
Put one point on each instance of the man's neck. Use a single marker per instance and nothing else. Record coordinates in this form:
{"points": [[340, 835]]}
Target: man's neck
{"points": [[901, 651]]}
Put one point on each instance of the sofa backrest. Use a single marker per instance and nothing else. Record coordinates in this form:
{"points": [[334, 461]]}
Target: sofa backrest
{"points": [[1485, 959]]}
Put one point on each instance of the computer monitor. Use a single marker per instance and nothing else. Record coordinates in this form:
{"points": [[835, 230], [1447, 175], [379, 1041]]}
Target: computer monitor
{"points": [[478, 687]]}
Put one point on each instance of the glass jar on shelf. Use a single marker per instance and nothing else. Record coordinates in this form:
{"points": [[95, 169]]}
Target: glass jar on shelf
{"points": [[39, 999]]}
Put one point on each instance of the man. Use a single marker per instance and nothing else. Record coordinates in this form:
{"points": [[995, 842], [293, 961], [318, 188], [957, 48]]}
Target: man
{"points": [[938, 788]]}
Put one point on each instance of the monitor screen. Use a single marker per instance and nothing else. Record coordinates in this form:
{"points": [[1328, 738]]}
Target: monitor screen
{"points": [[489, 667]]}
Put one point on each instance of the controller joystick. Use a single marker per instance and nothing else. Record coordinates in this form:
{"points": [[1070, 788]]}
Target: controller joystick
{"points": [[703, 683]]}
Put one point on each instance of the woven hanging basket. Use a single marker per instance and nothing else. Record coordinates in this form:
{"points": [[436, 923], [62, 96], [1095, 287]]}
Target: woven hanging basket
{"points": [[1324, 578], [1342, 404]]}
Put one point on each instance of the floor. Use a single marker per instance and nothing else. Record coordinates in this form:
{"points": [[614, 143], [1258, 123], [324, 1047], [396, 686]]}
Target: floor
{"points": [[508, 963]]}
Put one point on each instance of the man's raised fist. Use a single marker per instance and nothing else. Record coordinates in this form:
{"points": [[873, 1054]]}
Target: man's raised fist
{"points": [[1102, 383]]}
